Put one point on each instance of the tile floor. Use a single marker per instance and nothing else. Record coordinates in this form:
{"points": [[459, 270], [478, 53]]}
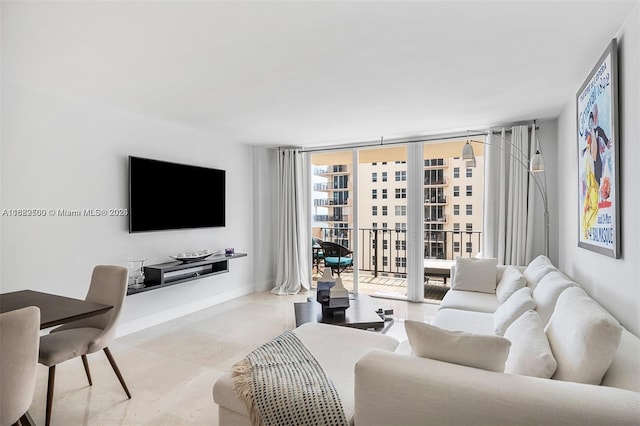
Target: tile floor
{"points": [[170, 368]]}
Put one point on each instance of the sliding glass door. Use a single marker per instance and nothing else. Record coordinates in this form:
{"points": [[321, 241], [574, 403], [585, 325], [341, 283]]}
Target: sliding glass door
{"points": [[332, 220], [405, 221], [382, 221]]}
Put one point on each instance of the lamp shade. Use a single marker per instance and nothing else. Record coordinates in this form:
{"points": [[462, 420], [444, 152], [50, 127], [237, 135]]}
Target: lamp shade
{"points": [[467, 152], [537, 163]]}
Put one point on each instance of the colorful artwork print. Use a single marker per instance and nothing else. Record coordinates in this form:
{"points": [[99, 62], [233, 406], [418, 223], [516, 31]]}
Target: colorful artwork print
{"points": [[597, 157]]}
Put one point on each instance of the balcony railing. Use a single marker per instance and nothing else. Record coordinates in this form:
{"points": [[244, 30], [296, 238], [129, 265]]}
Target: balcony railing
{"points": [[329, 186], [379, 248], [340, 168], [323, 202], [435, 200], [440, 181], [435, 163], [331, 218], [436, 219]]}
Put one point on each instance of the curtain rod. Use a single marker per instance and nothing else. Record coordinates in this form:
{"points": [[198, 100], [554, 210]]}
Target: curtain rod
{"points": [[391, 142], [401, 141]]}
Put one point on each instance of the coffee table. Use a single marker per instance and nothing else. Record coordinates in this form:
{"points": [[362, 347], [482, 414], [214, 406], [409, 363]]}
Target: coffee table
{"points": [[360, 314]]}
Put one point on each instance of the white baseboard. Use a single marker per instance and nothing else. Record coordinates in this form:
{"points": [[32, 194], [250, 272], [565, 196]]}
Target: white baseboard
{"points": [[265, 285], [139, 324]]}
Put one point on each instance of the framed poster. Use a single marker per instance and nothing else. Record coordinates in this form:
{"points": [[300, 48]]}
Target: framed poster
{"points": [[598, 164]]}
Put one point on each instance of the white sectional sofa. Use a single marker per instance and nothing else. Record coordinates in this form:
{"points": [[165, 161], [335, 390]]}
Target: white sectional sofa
{"points": [[589, 373]]}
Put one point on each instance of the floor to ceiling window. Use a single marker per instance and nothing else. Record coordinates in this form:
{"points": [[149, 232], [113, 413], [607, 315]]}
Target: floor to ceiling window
{"points": [[332, 180], [452, 213], [382, 220]]}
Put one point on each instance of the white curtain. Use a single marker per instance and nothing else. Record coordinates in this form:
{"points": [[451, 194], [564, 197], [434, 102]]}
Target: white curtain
{"points": [[293, 241], [509, 197]]}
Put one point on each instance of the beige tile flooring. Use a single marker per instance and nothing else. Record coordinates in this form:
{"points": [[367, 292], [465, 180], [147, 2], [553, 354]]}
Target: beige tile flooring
{"points": [[170, 368]]}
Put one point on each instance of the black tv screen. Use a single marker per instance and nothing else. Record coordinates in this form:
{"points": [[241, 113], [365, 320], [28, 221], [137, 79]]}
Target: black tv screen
{"points": [[164, 195]]}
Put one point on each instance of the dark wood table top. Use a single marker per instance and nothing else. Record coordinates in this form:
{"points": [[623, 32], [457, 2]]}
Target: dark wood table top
{"points": [[54, 309], [360, 314]]}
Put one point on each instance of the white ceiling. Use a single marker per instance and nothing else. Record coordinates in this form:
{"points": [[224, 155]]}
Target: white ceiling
{"points": [[312, 73]]}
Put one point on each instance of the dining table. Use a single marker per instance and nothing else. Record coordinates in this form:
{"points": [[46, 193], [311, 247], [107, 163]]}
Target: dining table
{"points": [[54, 309]]}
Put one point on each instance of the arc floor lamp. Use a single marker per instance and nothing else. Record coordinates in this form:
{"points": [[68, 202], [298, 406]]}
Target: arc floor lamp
{"points": [[533, 165]]}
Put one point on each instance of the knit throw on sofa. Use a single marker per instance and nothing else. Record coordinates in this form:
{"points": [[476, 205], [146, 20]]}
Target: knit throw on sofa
{"points": [[281, 383]]}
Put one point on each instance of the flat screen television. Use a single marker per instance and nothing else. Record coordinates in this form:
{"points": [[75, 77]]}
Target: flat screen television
{"points": [[164, 195]]}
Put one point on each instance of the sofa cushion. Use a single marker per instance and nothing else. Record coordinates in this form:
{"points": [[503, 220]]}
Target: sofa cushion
{"points": [[583, 337], [546, 293], [624, 372], [538, 268], [519, 303], [457, 347], [512, 281], [469, 321], [470, 301], [530, 354], [475, 274]]}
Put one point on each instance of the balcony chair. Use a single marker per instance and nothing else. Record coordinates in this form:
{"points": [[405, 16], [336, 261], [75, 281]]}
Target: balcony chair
{"points": [[19, 340], [336, 257], [79, 338], [318, 254]]}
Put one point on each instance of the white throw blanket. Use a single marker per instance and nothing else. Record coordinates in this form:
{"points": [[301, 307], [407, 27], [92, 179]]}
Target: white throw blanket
{"points": [[281, 383]]}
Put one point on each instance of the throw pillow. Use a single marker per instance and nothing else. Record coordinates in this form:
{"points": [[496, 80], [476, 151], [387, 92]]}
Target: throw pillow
{"points": [[474, 274], [583, 337], [457, 347], [538, 268], [512, 281], [530, 354], [519, 303], [547, 292]]}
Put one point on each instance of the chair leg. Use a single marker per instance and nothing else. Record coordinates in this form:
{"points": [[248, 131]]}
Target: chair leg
{"points": [[85, 362], [25, 420], [52, 380], [116, 370]]}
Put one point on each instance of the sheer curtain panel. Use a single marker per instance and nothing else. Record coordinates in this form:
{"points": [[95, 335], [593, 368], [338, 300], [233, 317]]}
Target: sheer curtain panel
{"points": [[509, 195], [293, 239]]}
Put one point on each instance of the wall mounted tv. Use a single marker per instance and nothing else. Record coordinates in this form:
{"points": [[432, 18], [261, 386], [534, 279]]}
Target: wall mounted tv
{"points": [[164, 195]]}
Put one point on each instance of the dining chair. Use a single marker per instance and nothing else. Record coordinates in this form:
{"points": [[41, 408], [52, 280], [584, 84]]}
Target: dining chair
{"points": [[336, 256], [19, 341], [79, 338]]}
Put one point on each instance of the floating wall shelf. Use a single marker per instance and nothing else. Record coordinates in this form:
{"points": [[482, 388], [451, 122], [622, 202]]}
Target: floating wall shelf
{"points": [[170, 273]]}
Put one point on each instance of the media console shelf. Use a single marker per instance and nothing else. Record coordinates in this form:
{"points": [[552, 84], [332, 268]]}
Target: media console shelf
{"points": [[170, 273]]}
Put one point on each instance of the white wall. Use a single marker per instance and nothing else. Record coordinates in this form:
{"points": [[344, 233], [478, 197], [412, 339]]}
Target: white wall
{"points": [[59, 154], [265, 178], [614, 283], [547, 134]]}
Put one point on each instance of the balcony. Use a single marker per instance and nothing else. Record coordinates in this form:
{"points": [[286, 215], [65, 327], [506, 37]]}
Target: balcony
{"points": [[436, 219], [440, 181], [436, 201], [436, 163], [329, 187], [379, 273], [331, 170], [435, 236], [323, 202], [375, 244], [331, 218]]}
